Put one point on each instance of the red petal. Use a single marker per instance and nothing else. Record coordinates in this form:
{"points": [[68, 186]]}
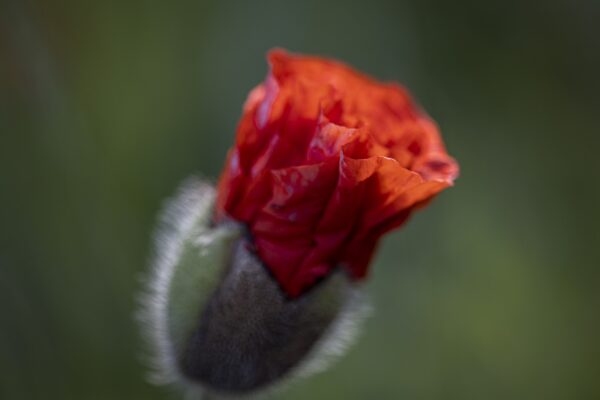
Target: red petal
{"points": [[326, 161]]}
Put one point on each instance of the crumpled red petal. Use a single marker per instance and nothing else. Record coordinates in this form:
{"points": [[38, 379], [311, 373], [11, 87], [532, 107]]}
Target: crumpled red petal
{"points": [[326, 161]]}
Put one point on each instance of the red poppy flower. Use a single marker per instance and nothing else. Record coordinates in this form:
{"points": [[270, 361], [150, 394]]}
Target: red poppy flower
{"points": [[326, 161]]}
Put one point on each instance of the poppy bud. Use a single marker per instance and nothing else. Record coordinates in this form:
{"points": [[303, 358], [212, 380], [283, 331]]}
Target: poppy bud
{"points": [[218, 322], [258, 277]]}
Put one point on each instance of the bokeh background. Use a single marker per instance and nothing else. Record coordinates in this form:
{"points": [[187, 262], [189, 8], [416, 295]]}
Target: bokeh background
{"points": [[491, 293]]}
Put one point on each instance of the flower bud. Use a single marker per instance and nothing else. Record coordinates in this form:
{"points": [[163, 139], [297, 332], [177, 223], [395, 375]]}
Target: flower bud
{"points": [[216, 319], [258, 282]]}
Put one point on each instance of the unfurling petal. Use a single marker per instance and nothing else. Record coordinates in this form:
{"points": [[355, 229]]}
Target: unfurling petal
{"points": [[326, 161]]}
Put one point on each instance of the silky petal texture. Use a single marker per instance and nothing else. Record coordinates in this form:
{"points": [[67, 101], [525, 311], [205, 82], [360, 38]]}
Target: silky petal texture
{"points": [[326, 161]]}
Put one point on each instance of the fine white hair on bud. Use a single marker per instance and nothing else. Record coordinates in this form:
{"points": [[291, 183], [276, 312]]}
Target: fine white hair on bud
{"points": [[182, 225], [216, 321]]}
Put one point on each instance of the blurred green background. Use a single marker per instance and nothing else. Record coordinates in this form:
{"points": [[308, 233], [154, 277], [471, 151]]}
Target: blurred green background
{"points": [[491, 293]]}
